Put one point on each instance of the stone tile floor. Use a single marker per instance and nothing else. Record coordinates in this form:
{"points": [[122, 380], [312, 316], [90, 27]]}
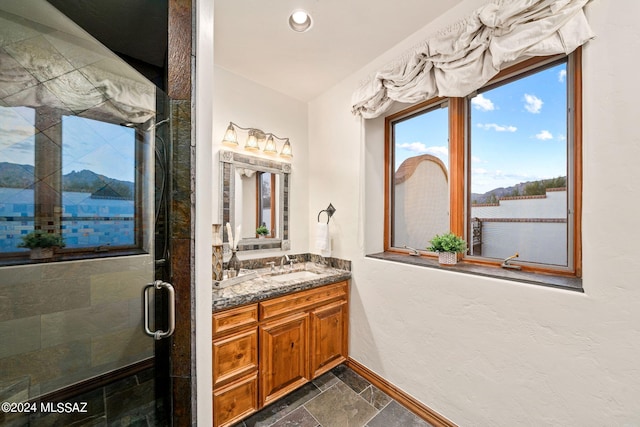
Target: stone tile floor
{"points": [[339, 398], [126, 402]]}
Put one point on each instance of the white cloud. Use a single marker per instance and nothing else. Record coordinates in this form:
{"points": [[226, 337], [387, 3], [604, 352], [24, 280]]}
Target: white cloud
{"points": [[476, 159], [483, 104], [484, 180], [479, 171], [439, 151], [416, 147], [562, 75], [497, 128], [421, 148], [544, 135], [533, 104]]}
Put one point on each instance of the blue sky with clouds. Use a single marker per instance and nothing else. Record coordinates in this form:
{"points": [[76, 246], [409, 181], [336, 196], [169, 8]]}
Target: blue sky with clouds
{"points": [[518, 132], [103, 148]]}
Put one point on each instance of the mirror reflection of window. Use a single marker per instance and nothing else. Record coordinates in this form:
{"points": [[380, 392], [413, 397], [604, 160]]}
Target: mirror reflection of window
{"points": [[246, 202], [266, 201]]}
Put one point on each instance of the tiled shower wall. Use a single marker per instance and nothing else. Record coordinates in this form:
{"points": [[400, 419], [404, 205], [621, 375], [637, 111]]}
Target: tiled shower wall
{"points": [[61, 323]]}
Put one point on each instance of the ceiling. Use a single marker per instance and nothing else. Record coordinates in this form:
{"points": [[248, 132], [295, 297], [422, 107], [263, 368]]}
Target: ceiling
{"points": [[253, 39]]}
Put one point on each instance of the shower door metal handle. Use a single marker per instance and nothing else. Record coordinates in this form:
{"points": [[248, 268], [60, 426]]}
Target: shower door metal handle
{"points": [[171, 309]]}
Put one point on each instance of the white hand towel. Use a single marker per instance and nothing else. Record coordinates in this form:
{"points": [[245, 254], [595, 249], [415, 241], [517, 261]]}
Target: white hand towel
{"points": [[323, 239]]}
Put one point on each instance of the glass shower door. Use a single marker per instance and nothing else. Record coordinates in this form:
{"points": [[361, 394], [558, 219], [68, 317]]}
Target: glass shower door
{"points": [[82, 174]]}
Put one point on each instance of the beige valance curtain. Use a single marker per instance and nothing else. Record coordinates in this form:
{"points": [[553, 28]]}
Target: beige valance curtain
{"points": [[462, 58]]}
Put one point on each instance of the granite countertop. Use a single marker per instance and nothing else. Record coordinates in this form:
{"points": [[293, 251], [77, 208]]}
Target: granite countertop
{"points": [[268, 285]]}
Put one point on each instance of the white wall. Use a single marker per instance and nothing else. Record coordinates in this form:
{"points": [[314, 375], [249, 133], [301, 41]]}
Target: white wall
{"points": [[203, 130], [489, 352], [249, 104], [543, 242]]}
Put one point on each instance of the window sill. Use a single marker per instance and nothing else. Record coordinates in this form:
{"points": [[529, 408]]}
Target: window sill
{"points": [[70, 256], [560, 282]]}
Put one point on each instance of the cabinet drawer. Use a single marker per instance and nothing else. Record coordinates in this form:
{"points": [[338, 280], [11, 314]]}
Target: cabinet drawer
{"points": [[234, 356], [235, 401], [302, 301], [231, 319]]}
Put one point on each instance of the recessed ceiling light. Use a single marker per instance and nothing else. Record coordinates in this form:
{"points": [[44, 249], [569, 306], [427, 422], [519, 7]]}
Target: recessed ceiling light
{"points": [[300, 21]]}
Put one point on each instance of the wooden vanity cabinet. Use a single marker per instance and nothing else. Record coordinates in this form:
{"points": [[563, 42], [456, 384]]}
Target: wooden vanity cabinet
{"points": [[297, 338]]}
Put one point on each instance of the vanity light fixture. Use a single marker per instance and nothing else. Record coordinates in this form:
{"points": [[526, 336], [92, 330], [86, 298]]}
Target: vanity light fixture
{"points": [[270, 146], [230, 136], [286, 149], [254, 138], [300, 21], [252, 141]]}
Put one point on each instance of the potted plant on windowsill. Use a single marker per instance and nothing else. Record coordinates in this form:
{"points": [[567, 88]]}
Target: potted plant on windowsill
{"points": [[42, 244], [262, 231], [448, 246]]}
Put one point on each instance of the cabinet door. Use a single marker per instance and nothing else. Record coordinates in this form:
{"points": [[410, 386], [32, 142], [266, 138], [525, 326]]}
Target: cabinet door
{"points": [[235, 401], [328, 337], [234, 356], [283, 356]]}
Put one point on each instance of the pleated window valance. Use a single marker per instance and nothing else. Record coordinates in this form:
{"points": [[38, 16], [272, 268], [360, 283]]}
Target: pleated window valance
{"points": [[462, 58]]}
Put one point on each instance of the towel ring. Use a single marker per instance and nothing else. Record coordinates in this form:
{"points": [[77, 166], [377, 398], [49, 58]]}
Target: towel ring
{"points": [[330, 211]]}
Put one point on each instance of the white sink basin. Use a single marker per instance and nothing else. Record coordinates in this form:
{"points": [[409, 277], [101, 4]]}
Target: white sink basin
{"points": [[294, 275]]}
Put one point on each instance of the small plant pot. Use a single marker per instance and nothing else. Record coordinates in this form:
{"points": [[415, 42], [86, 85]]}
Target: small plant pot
{"points": [[447, 258], [261, 236], [41, 253]]}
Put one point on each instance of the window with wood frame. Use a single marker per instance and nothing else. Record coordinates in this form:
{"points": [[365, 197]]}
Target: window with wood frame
{"points": [[501, 167], [79, 179]]}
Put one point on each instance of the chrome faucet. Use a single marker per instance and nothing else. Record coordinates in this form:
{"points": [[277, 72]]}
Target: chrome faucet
{"points": [[507, 262], [412, 251], [289, 261]]}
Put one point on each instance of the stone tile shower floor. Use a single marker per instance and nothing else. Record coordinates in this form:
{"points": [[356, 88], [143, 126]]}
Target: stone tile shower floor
{"points": [[339, 398]]}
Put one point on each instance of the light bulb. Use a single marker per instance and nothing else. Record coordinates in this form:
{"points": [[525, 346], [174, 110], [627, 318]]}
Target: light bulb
{"points": [[300, 21], [299, 16]]}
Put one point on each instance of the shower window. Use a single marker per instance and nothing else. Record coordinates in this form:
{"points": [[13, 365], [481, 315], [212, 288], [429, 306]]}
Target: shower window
{"points": [[17, 157], [78, 177], [98, 183]]}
